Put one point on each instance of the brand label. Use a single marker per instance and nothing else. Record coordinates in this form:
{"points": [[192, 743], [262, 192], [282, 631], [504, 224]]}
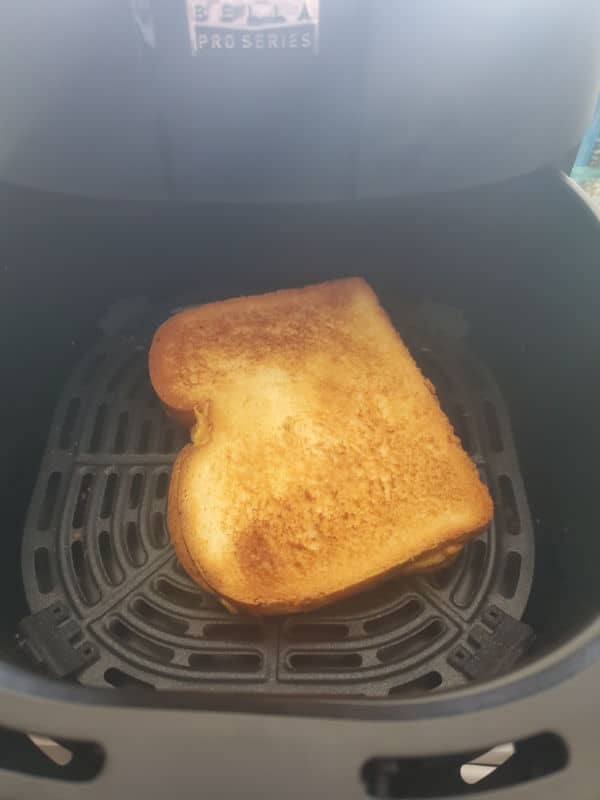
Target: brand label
{"points": [[269, 26]]}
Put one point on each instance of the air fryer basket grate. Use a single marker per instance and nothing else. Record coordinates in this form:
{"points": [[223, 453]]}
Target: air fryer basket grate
{"points": [[105, 588]]}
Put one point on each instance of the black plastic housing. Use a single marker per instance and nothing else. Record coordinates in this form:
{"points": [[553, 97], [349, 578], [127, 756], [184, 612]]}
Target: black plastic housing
{"points": [[521, 260]]}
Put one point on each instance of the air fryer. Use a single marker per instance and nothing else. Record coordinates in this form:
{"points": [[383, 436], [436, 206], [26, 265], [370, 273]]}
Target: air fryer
{"points": [[161, 154]]}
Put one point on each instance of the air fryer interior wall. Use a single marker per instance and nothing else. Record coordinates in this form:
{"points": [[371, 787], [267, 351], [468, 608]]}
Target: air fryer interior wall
{"points": [[519, 260]]}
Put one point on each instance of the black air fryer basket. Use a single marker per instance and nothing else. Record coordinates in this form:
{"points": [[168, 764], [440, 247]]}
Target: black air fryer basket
{"points": [[117, 673], [112, 606]]}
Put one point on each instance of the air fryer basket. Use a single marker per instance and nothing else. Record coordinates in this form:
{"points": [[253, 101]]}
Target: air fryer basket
{"points": [[521, 262], [112, 605]]}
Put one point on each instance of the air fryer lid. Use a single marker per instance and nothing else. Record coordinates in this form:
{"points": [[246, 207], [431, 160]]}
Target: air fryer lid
{"points": [[291, 101]]}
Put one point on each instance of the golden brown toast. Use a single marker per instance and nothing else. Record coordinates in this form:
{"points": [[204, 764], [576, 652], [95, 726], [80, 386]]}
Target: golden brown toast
{"points": [[320, 463]]}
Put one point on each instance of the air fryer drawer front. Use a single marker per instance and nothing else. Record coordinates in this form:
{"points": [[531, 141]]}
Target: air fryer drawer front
{"points": [[180, 743]]}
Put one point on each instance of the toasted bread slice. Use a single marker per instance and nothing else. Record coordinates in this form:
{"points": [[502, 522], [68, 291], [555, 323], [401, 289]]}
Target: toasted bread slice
{"points": [[321, 462]]}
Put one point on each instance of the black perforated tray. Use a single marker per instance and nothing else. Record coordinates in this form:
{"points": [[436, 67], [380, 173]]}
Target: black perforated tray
{"points": [[96, 555]]}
